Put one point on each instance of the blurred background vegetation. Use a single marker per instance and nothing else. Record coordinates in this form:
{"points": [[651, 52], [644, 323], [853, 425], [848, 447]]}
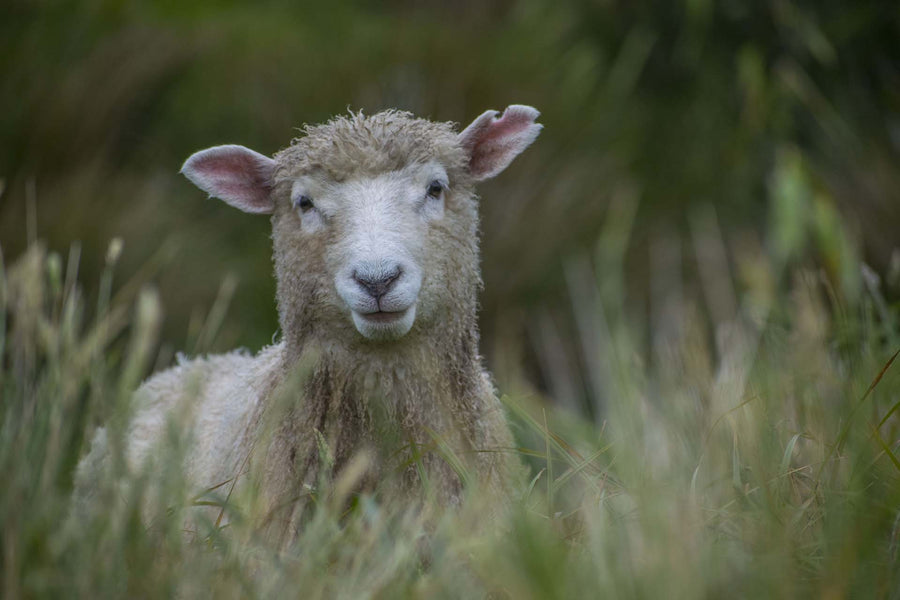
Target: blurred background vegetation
{"points": [[698, 255], [679, 136]]}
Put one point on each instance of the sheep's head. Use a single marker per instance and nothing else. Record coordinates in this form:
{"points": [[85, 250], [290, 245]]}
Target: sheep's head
{"points": [[374, 218]]}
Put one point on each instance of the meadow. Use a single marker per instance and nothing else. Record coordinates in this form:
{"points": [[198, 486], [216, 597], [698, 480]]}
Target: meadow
{"points": [[690, 303], [757, 462]]}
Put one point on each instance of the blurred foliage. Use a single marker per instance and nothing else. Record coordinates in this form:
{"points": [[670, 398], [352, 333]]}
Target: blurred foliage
{"points": [[686, 131], [698, 255], [770, 469]]}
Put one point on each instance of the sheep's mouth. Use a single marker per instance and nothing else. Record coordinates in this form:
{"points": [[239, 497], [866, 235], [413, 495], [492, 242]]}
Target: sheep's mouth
{"points": [[383, 324], [383, 316]]}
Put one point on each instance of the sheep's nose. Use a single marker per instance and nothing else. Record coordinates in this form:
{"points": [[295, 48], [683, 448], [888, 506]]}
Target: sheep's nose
{"points": [[377, 282]]}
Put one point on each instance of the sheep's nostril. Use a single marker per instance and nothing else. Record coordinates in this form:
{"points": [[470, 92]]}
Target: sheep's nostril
{"points": [[377, 282]]}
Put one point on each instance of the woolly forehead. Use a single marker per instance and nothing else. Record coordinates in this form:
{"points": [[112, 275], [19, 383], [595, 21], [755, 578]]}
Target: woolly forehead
{"points": [[349, 147]]}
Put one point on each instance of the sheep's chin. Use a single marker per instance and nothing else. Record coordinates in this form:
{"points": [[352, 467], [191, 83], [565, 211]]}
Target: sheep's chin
{"points": [[380, 329]]}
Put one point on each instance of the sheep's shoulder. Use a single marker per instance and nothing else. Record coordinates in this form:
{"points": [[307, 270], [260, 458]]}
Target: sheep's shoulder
{"points": [[214, 396], [197, 408]]}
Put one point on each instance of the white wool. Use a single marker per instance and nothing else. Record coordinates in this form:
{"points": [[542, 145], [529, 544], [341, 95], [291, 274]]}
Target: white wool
{"points": [[213, 398]]}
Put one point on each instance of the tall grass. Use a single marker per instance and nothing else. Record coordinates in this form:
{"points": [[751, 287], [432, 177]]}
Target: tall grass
{"points": [[726, 405], [755, 456]]}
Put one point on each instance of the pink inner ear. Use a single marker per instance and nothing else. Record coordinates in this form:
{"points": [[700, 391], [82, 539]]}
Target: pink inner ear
{"points": [[494, 140], [237, 175], [511, 122]]}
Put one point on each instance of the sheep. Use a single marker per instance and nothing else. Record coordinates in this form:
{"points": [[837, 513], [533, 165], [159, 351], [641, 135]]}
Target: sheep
{"points": [[375, 235]]}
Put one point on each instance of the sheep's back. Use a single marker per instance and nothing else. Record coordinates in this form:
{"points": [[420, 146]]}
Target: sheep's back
{"points": [[201, 407], [212, 399]]}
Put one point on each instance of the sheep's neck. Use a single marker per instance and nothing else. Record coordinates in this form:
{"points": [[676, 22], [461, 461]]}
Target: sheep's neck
{"points": [[393, 404]]}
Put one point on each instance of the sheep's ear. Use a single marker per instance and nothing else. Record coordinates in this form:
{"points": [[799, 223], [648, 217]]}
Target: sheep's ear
{"points": [[494, 139], [237, 175]]}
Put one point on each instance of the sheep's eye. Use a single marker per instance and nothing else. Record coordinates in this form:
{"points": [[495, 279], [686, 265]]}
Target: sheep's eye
{"points": [[435, 188], [304, 203]]}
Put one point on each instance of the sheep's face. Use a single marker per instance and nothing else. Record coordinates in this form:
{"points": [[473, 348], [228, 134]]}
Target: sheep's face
{"points": [[382, 242], [375, 218]]}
